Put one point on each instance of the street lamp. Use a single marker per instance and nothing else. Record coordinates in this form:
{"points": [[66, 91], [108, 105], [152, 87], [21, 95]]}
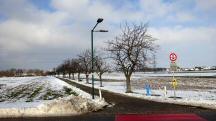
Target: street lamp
{"points": [[92, 51], [101, 31]]}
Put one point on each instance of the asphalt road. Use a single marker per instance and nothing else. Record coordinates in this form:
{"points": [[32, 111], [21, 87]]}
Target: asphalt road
{"points": [[125, 105]]}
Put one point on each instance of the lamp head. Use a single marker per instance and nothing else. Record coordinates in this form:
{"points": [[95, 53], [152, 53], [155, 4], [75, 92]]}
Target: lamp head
{"points": [[99, 20], [103, 30]]}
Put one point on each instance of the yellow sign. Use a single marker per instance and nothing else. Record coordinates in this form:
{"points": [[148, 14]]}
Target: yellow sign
{"points": [[174, 83]]}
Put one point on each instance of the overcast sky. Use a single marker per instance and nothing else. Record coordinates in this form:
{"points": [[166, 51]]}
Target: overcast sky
{"points": [[42, 33]]}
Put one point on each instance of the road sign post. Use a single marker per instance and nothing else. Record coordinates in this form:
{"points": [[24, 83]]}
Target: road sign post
{"points": [[174, 84], [165, 91], [173, 67], [148, 89]]}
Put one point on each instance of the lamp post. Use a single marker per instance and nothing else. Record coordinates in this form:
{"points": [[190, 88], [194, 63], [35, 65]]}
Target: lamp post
{"points": [[92, 52]]}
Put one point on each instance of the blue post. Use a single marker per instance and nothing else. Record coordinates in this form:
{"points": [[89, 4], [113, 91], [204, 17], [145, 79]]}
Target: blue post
{"points": [[148, 90]]}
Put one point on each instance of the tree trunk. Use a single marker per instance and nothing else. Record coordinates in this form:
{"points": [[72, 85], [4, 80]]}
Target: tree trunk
{"points": [[69, 75], [73, 76], [128, 85], [100, 80], [78, 76], [87, 78]]}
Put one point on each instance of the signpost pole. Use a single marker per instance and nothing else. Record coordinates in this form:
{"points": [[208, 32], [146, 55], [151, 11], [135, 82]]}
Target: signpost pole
{"points": [[173, 78], [173, 58]]}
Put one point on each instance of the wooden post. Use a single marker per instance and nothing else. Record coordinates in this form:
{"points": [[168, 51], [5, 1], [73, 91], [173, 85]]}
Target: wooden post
{"points": [[100, 94]]}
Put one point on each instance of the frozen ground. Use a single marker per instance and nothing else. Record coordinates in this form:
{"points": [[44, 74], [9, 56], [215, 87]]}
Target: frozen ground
{"points": [[43, 96], [117, 76], [196, 81], [193, 91], [140, 75]]}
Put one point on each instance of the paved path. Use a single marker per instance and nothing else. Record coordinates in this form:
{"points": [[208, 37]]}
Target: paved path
{"points": [[126, 105]]}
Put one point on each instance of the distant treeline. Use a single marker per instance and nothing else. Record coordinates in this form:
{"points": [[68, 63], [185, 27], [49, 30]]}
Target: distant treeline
{"points": [[21, 72], [148, 69]]}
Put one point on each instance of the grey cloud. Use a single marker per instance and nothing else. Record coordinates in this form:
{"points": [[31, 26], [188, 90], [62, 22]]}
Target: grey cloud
{"points": [[33, 38]]}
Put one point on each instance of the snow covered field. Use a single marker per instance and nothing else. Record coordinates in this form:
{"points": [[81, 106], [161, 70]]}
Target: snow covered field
{"points": [[43, 96], [117, 76], [140, 75], [192, 91]]}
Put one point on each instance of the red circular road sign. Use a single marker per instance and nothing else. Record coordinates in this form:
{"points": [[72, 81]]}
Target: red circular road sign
{"points": [[173, 57]]}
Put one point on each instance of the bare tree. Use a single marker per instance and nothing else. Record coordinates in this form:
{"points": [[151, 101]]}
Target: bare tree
{"points": [[70, 67], [19, 72], [61, 69], [128, 49], [85, 61], [74, 67], [100, 67], [58, 70], [154, 62], [80, 69], [66, 67]]}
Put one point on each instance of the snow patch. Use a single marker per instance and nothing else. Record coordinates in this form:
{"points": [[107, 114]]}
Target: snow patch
{"points": [[71, 102]]}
